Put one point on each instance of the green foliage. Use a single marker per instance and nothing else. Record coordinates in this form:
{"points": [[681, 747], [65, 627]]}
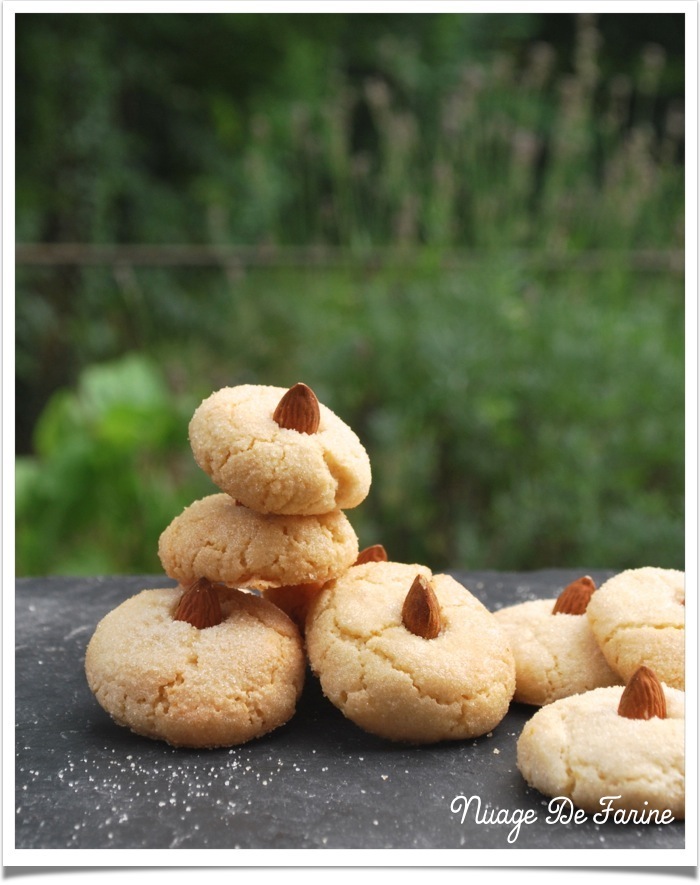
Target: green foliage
{"points": [[505, 333], [354, 129], [108, 475], [512, 421], [514, 426]]}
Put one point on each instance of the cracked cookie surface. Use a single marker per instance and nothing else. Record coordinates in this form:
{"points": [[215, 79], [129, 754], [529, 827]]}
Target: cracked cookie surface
{"points": [[273, 469], [556, 655], [396, 684], [638, 617], [579, 747], [218, 539], [216, 687]]}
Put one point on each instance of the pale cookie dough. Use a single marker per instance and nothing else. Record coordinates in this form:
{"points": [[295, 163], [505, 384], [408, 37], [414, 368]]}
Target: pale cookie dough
{"points": [[556, 655], [399, 685], [216, 687], [580, 748], [638, 617], [219, 539], [272, 469]]}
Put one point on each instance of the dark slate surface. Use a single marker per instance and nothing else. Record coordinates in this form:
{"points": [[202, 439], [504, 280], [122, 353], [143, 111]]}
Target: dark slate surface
{"points": [[318, 782]]}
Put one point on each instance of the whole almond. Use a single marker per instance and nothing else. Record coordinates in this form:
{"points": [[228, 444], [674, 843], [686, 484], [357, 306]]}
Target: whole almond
{"points": [[375, 553], [421, 611], [643, 697], [199, 605], [574, 599], [298, 410]]}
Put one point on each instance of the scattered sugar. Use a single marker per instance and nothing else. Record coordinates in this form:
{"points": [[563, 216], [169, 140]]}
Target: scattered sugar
{"points": [[112, 783]]}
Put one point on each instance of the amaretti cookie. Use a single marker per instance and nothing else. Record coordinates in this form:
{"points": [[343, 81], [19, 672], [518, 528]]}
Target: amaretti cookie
{"points": [[219, 539], [409, 655], [556, 654], [230, 671], [279, 451], [638, 617], [610, 742]]}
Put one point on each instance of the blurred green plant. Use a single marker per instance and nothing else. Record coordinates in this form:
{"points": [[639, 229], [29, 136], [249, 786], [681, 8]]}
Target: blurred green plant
{"points": [[512, 421], [538, 152], [507, 333], [109, 473]]}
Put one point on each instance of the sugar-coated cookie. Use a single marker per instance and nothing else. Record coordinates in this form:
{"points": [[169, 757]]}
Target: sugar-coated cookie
{"points": [[450, 676], [581, 748], [556, 654], [219, 539], [213, 687], [638, 617], [256, 455]]}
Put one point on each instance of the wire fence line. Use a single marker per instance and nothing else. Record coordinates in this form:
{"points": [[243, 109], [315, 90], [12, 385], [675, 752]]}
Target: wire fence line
{"points": [[240, 257]]}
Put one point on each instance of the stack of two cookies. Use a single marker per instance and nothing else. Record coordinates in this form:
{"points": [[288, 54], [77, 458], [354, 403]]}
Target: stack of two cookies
{"points": [[208, 663], [287, 468]]}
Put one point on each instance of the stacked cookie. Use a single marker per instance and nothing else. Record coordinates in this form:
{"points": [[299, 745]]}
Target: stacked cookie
{"points": [[607, 667], [286, 467], [209, 663], [213, 667]]}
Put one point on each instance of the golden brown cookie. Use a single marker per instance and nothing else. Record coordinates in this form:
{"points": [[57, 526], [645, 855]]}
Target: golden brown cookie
{"points": [[367, 640], [221, 540], [556, 654], [582, 749], [638, 617], [256, 455], [217, 686]]}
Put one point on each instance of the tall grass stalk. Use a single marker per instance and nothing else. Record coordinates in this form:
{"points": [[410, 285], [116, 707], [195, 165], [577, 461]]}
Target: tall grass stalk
{"points": [[522, 157]]}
